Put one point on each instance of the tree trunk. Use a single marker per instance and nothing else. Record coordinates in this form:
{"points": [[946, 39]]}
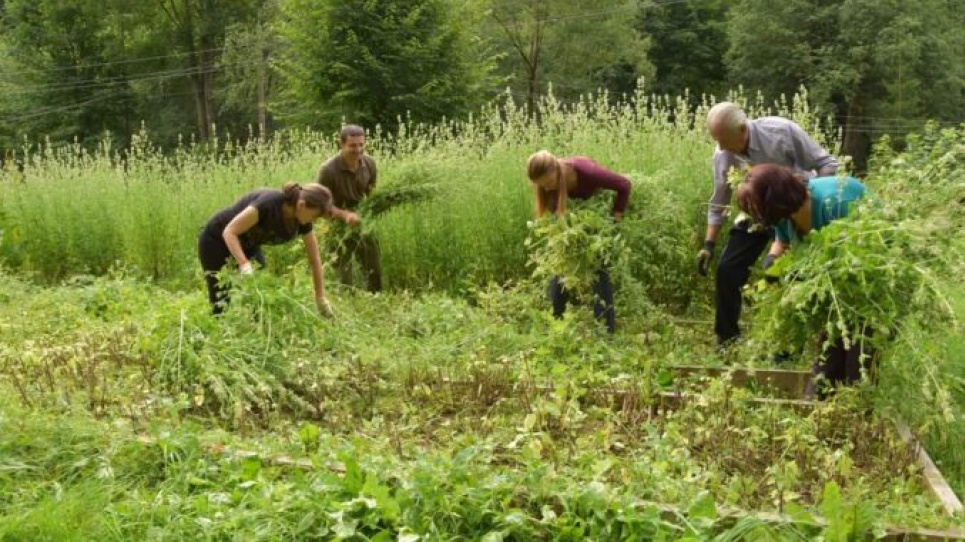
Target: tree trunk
{"points": [[856, 143], [535, 48], [199, 106], [262, 101]]}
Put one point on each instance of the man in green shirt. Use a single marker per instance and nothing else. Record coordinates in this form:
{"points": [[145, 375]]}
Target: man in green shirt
{"points": [[351, 175]]}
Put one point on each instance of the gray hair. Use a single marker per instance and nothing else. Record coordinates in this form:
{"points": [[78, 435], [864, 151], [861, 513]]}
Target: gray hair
{"points": [[727, 115]]}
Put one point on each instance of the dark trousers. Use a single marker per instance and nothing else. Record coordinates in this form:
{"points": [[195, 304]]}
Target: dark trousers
{"points": [[214, 255], [840, 366], [365, 248], [602, 302], [742, 250]]}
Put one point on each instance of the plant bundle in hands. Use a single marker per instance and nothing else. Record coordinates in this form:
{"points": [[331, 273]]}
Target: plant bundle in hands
{"points": [[574, 247], [869, 275], [859, 278], [415, 184]]}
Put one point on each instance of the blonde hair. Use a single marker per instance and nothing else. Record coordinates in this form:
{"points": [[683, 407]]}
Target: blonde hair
{"points": [[727, 115], [314, 195], [538, 164]]}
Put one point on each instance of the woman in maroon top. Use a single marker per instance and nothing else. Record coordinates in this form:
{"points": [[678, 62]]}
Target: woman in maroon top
{"points": [[554, 181]]}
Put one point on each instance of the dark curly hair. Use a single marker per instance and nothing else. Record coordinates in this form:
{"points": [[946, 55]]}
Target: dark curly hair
{"points": [[771, 193]]}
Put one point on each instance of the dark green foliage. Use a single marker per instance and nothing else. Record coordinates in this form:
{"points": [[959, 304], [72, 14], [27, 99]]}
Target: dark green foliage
{"points": [[376, 63], [58, 81], [880, 66], [687, 45]]}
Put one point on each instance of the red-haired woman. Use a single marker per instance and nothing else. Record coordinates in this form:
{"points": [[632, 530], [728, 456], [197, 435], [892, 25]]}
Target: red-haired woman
{"points": [[776, 196], [554, 181], [266, 217]]}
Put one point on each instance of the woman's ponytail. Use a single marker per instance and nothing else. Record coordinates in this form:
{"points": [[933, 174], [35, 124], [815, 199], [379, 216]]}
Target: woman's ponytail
{"points": [[292, 190]]}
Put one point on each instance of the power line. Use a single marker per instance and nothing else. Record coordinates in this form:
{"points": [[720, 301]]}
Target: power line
{"points": [[116, 63], [587, 15], [107, 81], [146, 76], [68, 107], [59, 108], [592, 14]]}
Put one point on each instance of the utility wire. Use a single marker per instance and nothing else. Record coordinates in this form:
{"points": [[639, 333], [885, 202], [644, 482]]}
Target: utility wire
{"points": [[120, 79], [112, 63]]}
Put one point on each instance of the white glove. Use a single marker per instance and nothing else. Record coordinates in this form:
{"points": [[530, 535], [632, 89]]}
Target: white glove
{"points": [[246, 269]]}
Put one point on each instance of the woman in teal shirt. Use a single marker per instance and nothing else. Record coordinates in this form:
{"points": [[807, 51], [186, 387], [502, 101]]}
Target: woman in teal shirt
{"points": [[781, 198]]}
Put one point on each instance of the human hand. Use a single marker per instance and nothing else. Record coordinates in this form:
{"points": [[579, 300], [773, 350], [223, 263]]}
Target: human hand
{"points": [[704, 257], [768, 261], [324, 307]]}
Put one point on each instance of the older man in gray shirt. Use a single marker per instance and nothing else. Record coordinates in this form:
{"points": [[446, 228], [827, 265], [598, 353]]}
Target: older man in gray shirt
{"points": [[742, 143]]}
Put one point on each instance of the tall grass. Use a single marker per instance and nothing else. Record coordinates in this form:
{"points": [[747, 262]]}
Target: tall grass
{"points": [[70, 210]]}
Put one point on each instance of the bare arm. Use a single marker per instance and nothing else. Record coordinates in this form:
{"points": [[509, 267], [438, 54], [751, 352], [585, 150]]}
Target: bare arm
{"points": [[315, 262], [244, 221], [777, 248]]}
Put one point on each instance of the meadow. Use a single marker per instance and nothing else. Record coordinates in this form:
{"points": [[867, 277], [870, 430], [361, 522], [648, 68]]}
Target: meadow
{"points": [[452, 406]]}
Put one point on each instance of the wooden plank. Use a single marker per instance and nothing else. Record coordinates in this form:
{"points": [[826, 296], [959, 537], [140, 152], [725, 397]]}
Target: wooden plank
{"points": [[627, 396], [932, 477], [893, 534], [273, 460], [787, 383], [924, 535]]}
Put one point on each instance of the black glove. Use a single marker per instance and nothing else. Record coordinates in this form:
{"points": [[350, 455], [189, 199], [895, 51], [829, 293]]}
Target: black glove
{"points": [[768, 261], [704, 257]]}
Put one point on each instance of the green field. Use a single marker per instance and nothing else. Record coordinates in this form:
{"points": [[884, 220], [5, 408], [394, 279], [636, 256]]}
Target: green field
{"points": [[452, 406]]}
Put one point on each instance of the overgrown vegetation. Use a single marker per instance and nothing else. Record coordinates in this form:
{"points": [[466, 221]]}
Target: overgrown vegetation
{"points": [[453, 405]]}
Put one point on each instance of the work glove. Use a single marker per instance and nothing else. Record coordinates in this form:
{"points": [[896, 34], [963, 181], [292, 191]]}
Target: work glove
{"points": [[324, 307], [246, 269], [765, 265], [704, 256], [768, 262]]}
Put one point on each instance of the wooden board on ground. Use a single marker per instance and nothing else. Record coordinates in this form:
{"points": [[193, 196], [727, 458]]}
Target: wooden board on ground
{"points": [[781, 382]]}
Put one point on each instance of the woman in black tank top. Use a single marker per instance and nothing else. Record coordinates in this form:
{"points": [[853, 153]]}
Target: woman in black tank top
{"points": [[266, 217]]}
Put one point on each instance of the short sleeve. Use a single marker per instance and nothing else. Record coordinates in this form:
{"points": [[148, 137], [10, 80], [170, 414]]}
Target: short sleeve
{"points": [[325, 177], [265, 204], [782, 232], [373, 180]]}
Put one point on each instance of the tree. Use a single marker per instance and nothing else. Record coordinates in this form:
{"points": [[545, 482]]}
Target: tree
{"points": [[374, 62], [58, 79], [81, 68], [199, 30], [245, 66], [881, 66], [578, 49], [689, 40]]}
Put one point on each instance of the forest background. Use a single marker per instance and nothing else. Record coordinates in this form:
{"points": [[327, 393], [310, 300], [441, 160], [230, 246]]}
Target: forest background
{"points": [[97, 72]]}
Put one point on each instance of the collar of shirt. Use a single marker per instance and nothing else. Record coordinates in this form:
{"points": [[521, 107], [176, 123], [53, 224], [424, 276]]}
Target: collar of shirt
{"points": [[753, 145], [344, 165]]}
